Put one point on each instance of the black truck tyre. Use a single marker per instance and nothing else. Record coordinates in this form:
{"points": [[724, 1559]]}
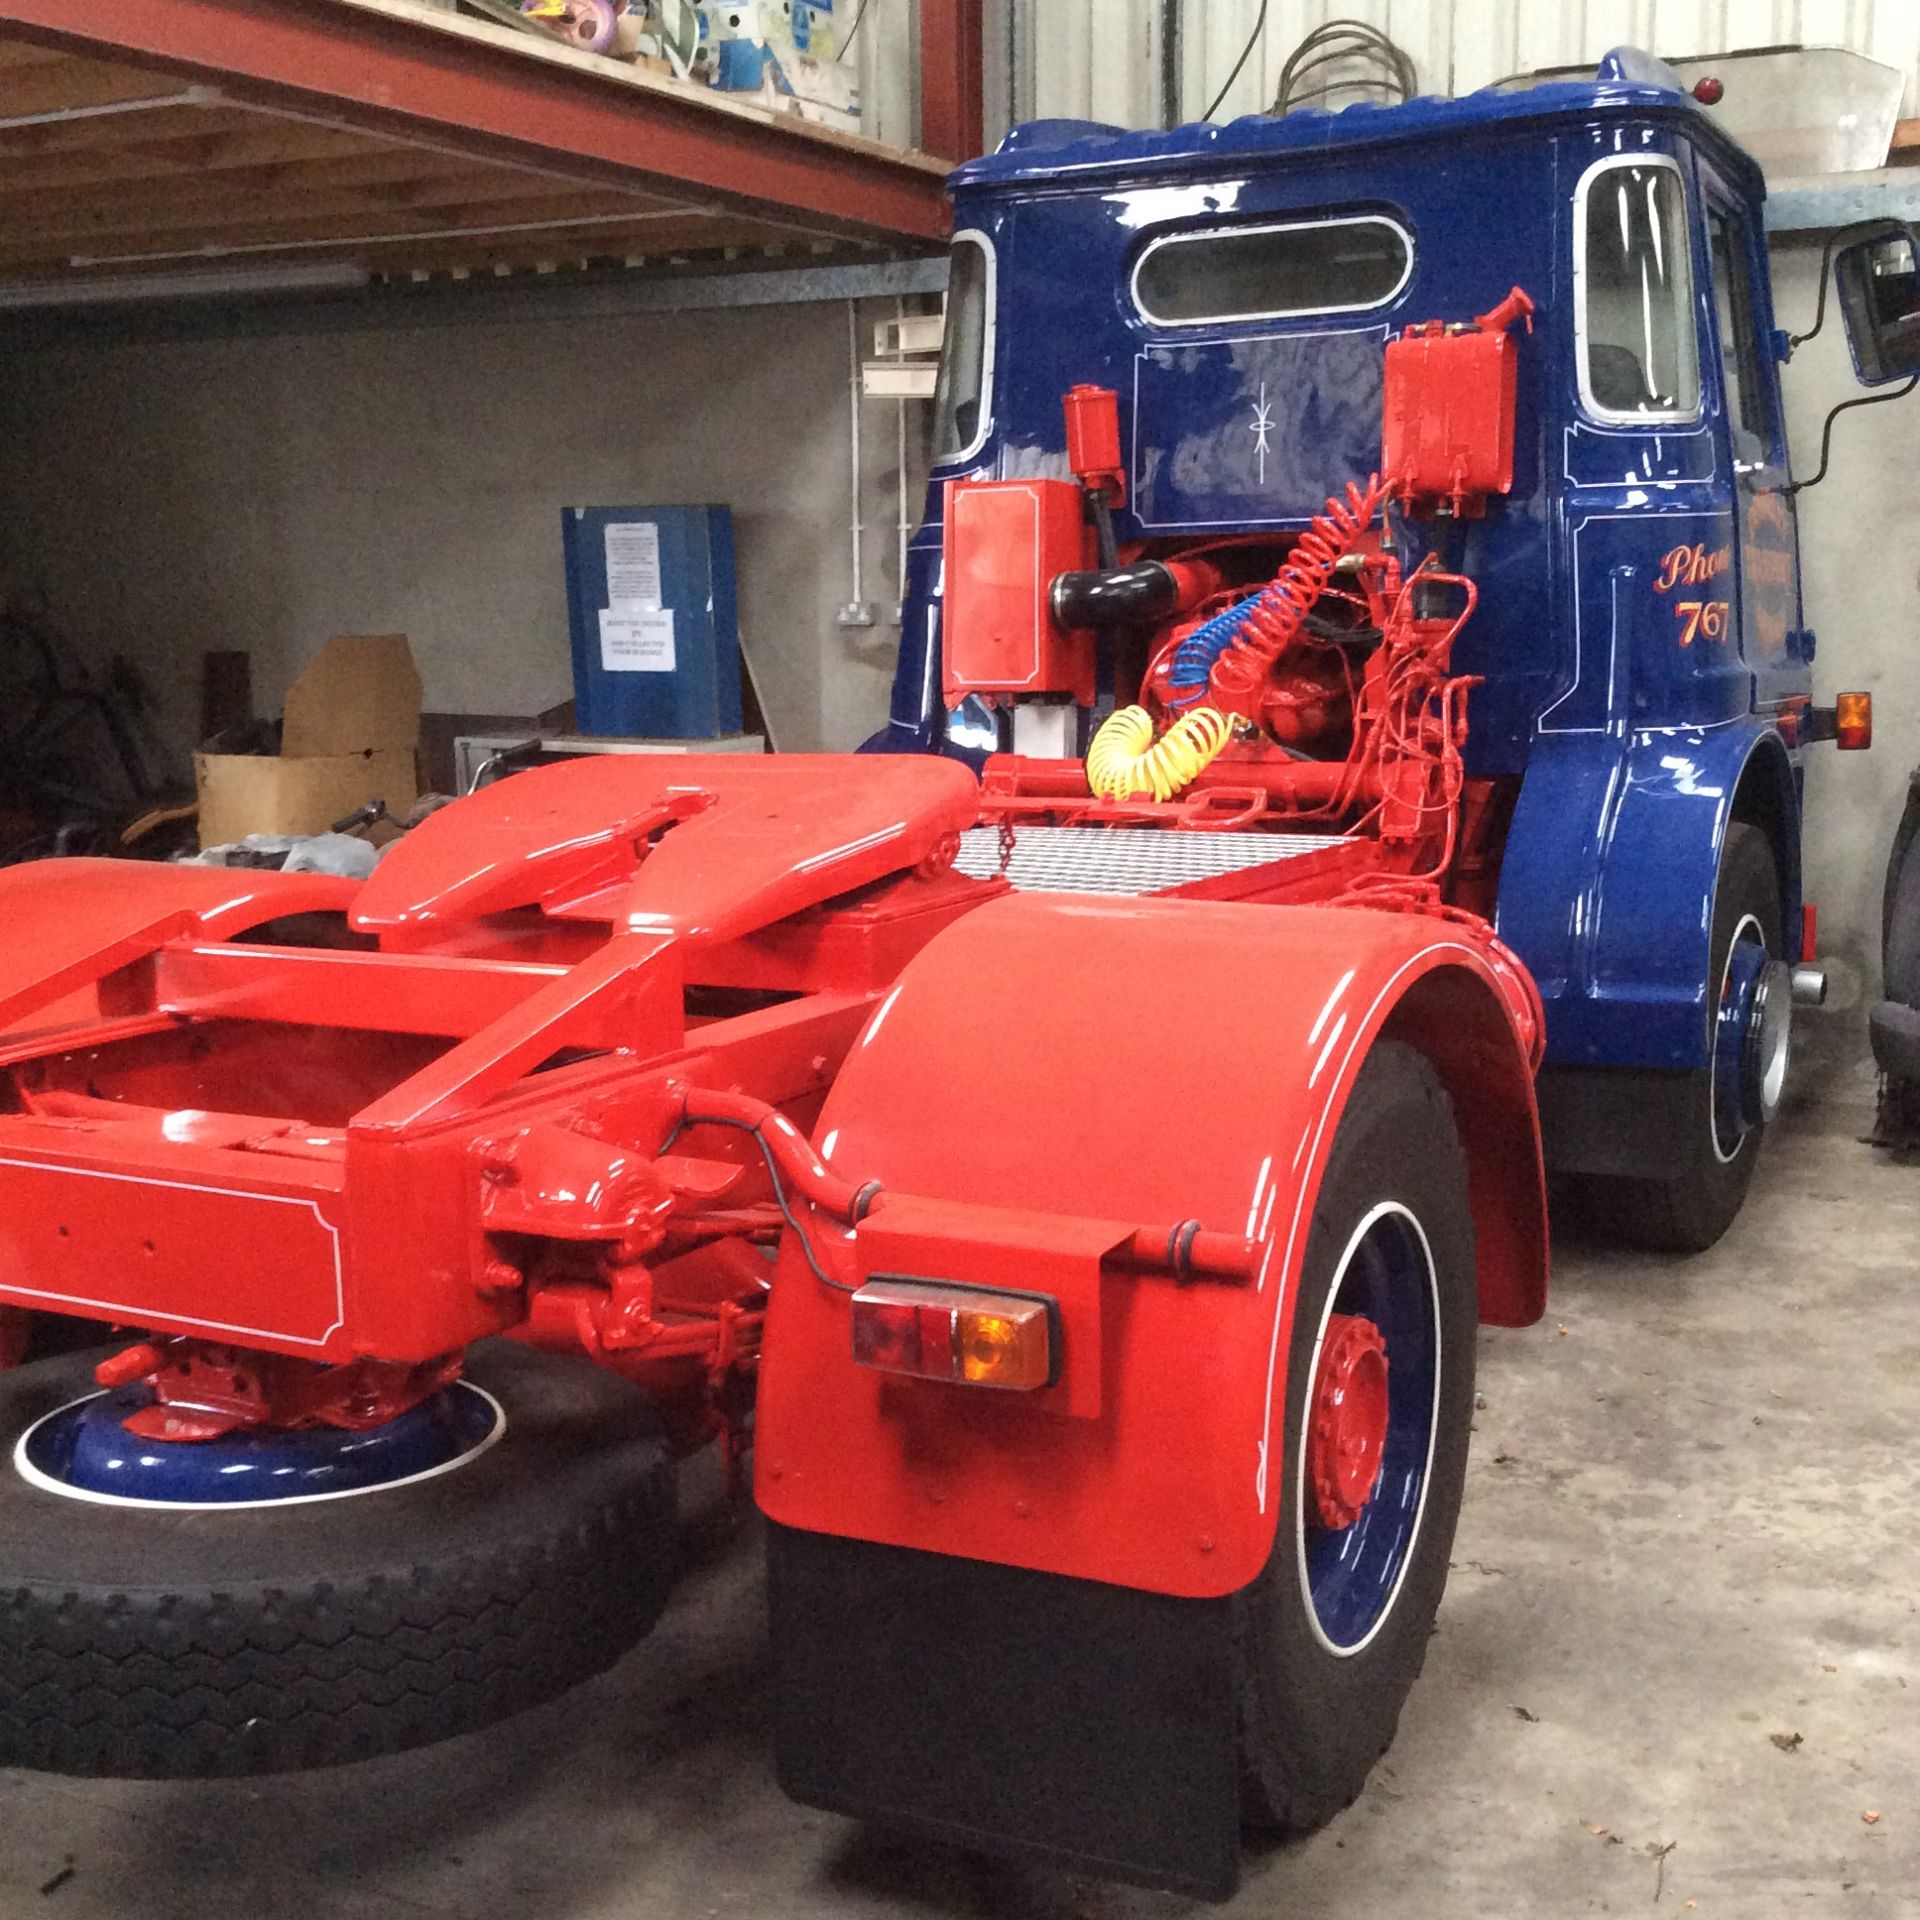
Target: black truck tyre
{"points": [[1687, 1209], [1900, 906], [1893, 1023], [1319, 1706], [145, 1642]]}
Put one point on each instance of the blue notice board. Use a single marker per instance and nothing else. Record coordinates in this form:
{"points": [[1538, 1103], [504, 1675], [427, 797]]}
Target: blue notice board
{"points": [[650, 609]]}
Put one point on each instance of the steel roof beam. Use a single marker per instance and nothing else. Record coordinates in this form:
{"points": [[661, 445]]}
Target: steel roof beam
{"points": [[385, 73]]}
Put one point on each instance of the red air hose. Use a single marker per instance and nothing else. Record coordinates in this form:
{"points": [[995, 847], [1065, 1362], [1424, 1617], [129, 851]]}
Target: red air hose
{"points": [[1268, 627]]}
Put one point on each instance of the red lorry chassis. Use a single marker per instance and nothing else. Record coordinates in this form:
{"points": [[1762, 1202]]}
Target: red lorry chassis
{"points": [[1077, 1185]]}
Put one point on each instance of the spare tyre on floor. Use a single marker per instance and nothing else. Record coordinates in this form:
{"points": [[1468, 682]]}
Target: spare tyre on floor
{"points": [[142, 1638]]}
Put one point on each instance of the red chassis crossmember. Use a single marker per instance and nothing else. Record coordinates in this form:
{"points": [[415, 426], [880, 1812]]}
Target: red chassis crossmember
{"points": [[511, 1096]]}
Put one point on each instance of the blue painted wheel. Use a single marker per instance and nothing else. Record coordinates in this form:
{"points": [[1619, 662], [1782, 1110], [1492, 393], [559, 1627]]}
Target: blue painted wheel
{"points": [[1352, 1555], [1752, 1032], [1379, 1407], [84, 1450], [173, 1638]]}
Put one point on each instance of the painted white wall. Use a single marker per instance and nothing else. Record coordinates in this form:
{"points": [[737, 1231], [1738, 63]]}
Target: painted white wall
{"points": [[262, 494], [1860, 573]]}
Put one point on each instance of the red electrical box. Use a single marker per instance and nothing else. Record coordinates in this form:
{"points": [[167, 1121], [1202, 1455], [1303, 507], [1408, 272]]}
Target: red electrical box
{"points": [[1093, 441], [1006, 541], [1446, 436]]}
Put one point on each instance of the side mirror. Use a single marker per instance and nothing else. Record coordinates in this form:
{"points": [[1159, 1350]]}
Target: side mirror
{"points": [[1879, 288], [1873, 266]]}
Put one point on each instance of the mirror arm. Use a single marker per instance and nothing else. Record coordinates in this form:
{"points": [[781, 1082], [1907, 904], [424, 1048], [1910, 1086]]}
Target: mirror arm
{"points": [[1826, 432]]}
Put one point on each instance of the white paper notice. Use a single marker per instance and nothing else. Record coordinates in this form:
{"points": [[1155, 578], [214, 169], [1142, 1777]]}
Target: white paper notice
{"points": [[639, 640], [633, 564]]}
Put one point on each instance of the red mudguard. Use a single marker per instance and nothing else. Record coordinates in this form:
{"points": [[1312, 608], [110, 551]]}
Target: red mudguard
{"points": [[1088, 1062]]}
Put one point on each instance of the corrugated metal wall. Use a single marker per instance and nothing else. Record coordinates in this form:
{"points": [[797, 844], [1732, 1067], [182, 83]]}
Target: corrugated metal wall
{"points": [[1102, 59], [1462, 44], [1045, 59], [1087, 59], [885, 34]]}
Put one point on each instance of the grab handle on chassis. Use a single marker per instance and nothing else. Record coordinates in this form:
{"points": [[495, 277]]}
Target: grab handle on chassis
{"points": [[1185, 1249]]}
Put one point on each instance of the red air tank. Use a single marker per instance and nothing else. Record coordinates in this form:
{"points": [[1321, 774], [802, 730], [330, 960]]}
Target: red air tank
{"points": [[1447, 428]]}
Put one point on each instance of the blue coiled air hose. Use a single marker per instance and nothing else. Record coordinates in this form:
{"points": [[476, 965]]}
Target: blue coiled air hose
{"points": [[1193, 658]]}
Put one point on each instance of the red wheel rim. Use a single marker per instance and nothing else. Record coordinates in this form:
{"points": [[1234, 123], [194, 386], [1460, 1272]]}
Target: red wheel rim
{"points": [[1347, 1419]]}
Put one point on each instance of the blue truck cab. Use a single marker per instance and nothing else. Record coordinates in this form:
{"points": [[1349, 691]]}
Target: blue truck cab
{"points": [[1646, 668]]}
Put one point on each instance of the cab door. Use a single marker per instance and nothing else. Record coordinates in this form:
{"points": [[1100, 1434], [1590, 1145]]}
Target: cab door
{"points": [[1646, 499], [1763, 608]]}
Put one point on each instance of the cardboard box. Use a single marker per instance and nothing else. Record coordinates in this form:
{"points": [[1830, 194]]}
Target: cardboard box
{"points": [[350, 735]]}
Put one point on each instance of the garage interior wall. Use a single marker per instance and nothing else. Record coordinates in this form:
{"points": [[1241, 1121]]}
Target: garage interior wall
{"points": [[164, 498]]}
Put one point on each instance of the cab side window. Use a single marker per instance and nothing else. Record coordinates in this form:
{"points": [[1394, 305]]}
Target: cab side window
{"points": [[1639, 360], [1749, 398], [963, 393]]}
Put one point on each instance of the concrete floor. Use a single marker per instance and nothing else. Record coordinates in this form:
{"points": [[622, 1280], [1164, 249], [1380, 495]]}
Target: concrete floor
{"points": [[1692, 1534]]}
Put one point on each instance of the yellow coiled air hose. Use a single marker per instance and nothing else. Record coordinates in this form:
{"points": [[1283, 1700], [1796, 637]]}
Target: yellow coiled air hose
{"points": [[1126, 759]]}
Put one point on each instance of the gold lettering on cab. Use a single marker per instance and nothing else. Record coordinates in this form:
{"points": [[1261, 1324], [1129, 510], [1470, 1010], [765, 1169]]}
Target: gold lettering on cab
{"points": [[1692, 565]]}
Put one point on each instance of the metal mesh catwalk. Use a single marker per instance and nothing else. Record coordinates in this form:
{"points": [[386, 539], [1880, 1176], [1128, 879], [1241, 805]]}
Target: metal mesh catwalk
{"points": [[1122, 860]]}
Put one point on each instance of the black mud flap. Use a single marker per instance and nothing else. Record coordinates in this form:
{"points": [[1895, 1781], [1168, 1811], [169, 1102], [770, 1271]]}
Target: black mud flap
{"points": [[1089, 1726], [1620, 1121]]}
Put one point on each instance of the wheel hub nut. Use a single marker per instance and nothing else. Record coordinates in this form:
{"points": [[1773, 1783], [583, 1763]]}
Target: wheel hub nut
{"points": [[1347, 1419]]}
